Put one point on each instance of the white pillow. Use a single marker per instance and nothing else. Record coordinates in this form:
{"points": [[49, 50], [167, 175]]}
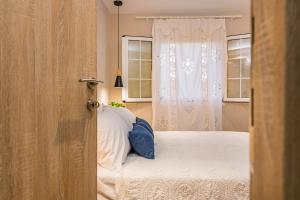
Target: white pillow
{"points": [[113, 143], [125, 114]]}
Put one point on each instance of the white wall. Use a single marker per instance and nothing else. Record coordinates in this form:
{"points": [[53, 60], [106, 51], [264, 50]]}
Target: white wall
{"points": [[238, 26], [103, 59]]}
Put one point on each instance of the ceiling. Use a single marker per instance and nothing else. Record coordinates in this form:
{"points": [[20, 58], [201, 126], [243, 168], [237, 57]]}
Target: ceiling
{"points": [[181, 7]]}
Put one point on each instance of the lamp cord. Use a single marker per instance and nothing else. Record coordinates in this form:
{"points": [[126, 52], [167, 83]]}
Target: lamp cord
{"points": [[118, 39]]}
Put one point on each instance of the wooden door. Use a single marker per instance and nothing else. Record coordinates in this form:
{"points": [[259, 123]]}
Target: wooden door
{"points": [[275, 131], [47, 136]]}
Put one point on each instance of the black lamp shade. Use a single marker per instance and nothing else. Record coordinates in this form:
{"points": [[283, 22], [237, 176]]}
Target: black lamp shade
{"points": [[119, 82]]}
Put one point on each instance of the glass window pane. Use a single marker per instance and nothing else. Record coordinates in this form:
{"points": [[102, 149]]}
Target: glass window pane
{"points": [[146, 70], [146, 50], [246, 65], [233, 44], [245, 43], [234, 54], [133, 89], [134, 69], [233, 88], [139, 69], [133, 49], [233, 68], [246, 53], [146, 89], [245, 88]]}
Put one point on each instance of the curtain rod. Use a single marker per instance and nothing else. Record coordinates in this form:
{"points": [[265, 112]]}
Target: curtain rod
{"points": [[190, 17]]}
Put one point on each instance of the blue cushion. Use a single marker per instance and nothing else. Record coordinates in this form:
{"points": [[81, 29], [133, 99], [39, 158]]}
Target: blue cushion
{"points": [[145, 124], [142, 141]]}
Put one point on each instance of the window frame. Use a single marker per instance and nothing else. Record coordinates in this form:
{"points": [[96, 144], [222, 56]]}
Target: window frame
{"points": [[237, 99], [125, 41]]}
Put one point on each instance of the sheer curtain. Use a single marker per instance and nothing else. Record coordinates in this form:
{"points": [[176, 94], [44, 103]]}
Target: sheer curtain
{"points": [[188, 63]]}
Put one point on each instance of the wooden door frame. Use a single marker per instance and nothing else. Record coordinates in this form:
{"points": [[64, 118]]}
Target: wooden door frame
{"points": [[275, 130]]}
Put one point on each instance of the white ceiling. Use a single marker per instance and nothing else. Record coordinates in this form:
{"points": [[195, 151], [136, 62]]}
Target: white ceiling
{"points": [[181, 7]]}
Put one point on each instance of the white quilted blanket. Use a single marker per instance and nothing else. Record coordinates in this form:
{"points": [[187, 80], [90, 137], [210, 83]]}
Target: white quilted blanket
{"points": [[188, 166]]}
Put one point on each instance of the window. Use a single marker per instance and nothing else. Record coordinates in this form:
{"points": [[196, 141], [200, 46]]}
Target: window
{"points": [[238, 69], [137, 69]]}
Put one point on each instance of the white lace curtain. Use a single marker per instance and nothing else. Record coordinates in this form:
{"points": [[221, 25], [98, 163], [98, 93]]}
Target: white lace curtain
{"points": [[188, 63]]}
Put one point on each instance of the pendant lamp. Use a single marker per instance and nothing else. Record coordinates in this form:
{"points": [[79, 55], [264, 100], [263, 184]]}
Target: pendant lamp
{"points": [[118, 82]]}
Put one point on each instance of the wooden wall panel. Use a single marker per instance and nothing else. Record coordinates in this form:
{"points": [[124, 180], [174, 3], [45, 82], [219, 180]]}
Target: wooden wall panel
{"points": [[47, 136]]}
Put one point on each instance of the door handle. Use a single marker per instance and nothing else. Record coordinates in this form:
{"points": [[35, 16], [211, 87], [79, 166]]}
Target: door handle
{"points": [[91, 82], [92, 104]]}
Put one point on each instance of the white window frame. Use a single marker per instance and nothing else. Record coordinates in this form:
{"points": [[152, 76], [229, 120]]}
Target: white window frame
{"points": [[226, 98], [125, 40]]}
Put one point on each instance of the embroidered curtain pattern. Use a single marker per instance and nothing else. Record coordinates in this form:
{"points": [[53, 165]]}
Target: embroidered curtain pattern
{"points": [[188, 63]]}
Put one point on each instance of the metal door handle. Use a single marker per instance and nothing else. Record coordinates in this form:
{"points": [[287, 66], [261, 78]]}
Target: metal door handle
{"points": [[91, 82], [92, 104]]}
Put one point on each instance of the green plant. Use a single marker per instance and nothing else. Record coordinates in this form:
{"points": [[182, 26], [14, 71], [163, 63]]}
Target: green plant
{"points": [[117, 105]]}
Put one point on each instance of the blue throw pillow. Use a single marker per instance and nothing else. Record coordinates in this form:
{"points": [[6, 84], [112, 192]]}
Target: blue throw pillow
{"points": [[145, 124], [142, 141]]}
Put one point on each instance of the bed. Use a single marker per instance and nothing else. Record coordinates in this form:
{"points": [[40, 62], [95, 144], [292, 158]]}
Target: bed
{"points": [[188, 166]]}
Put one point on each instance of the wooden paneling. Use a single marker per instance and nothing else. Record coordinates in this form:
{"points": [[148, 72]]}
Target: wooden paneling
{"points": [[47, 136], [275, 137]]}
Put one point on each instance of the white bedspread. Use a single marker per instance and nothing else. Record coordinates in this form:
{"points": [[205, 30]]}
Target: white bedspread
{"points": [[188, 166]]}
